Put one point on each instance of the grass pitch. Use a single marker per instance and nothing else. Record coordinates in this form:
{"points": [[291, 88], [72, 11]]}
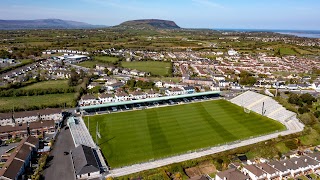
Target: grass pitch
{"points": [[137, 136], [154, 67]]}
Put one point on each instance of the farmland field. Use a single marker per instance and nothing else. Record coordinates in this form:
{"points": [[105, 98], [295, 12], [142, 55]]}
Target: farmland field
{"points": [[106, 59], [58, 84], [6, 103], [138, 136], [154, 67]]}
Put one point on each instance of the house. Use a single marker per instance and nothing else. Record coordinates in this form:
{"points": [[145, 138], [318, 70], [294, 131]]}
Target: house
{"points": [[87, 100], [189, 90], [6, 119], [254, 172], [282, 167], [85, 162], [54, 114], [231, 174], [20, 131], [136, 95], [152, 94], [106, 98], [122, 96], [174, 91], [26, 116], [224, 83], [314, 161], [158, 84], [19, 159], [272, 173]]}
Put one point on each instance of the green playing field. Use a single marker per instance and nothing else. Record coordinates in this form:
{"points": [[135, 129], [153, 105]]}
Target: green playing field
{"points": [[138, 136]]}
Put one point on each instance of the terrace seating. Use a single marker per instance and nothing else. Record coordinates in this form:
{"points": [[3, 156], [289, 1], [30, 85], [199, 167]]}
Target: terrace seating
{"points": [[253, 101]]}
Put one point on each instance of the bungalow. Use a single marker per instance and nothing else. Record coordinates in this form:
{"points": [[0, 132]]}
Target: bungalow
{"points": [[134, 72], [106, 98], [85, 162], [282, 167], [314, 161], [272, 173], [174, 91], [254, 172], [87, 100], [231, 174]]}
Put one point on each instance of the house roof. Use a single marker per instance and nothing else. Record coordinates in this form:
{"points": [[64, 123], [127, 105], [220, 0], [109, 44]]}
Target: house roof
{"points": [[315, 156], [267, 168], [13, 169], [24, 152], [32, 125], [105, 95], [88, 97], [188, 88], [232, 174], [137, 93], [5, 115], [176, 89], [254, 170], [84, 160], [121, 94]]}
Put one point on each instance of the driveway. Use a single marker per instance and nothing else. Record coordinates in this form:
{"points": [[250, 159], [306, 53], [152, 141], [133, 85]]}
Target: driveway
{"points": [[60, 166]]}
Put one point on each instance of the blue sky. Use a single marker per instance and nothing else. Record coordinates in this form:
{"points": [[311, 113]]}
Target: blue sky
{"points": [[251, 14]]}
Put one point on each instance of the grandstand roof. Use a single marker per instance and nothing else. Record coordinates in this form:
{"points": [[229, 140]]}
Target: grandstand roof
{"points": [[148, 100]]}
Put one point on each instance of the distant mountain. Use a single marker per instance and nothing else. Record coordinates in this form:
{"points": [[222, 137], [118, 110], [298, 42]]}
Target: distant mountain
{"points": [[150, 23], [45, 24]]}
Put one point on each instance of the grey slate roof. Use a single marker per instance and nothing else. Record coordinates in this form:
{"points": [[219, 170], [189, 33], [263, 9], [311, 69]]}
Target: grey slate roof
{"points": [[84, 160]]}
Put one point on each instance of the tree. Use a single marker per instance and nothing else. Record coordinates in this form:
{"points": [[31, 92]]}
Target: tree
{"points": [[74, 78]]}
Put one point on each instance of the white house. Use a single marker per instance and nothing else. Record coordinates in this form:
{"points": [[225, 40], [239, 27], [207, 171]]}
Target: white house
{"points": [[51, 114], [106, 98], [272, 173], [152, 94], [87, 100], [122, 96], [219, 77], [136, 95], [6, 119]]}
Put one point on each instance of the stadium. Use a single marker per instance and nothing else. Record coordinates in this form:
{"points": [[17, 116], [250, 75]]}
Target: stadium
{"points": [[145, 134]]}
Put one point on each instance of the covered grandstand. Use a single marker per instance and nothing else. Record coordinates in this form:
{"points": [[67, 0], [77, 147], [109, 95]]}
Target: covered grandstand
{"points": [[148, 103], [269, 107]]}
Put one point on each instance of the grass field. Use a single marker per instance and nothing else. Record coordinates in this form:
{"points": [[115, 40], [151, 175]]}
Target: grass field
{"points": [[106, 59], [287, 51], [137, 136], [88, 64], [58, 84], [6, 103], [155, 67]]}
